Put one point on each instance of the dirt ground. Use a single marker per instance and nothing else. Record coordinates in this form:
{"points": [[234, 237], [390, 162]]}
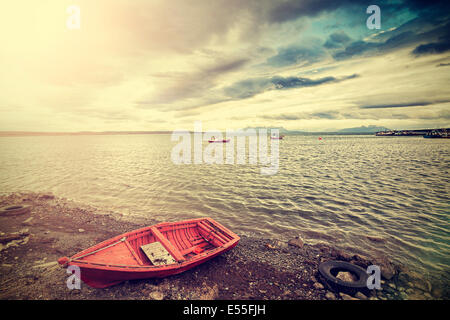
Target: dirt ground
{"points": [[31, 243]]}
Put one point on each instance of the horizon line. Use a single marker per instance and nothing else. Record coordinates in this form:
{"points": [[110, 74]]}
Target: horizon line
{"points": [[61, 133]]}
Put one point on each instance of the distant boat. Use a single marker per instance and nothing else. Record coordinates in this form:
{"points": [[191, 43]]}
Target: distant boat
{"points": [[435, 134], [152, 252], [277, 138], [219, 141]]}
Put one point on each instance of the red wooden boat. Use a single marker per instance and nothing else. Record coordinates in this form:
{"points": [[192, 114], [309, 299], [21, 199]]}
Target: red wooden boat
{"points": [[152, 252], [219, 141]]}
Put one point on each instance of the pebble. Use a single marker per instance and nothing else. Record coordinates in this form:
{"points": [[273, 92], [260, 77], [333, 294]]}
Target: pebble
{"points": [[330, 296], [27, 221], [318, 286], [156, 295], [6, 265], [415, 296], [81, 230], [387, 269], [426, 294], [360, 296], [296, 242], [347, 297], [345, 276], [437, 292]]}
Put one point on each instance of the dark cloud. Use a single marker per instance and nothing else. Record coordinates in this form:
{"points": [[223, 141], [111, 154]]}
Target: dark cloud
{"points": [[296, 82], [325, 115], [251, 87], [355, 48], [429, 32], [227, 66], [282, 117], [396, 105], [438, 41], [297, 55], [395, 39], [294, 9], [332, 45], [188, 85], [337, 40], [401, 38], [403, 105], [247, 88], [432, 48], [303, 116]]}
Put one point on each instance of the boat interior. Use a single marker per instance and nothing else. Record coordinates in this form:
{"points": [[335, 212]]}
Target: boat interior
{"points": [[160, 245]]}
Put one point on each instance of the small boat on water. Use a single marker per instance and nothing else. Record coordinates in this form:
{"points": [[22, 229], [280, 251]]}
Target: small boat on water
{"points": [[219, 141], [277, 138], [152, 252]]}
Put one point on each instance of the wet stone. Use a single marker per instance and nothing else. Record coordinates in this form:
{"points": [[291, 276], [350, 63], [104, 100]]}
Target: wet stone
{"points": [[330, 296], [318, 286], [296, 242]]}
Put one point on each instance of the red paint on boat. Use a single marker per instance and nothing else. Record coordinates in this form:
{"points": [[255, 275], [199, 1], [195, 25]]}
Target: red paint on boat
{"points": [[118, 259]]}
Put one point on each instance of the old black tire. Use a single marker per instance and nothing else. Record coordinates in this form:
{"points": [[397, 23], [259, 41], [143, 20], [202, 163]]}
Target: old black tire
{"points": [[329, 269]]}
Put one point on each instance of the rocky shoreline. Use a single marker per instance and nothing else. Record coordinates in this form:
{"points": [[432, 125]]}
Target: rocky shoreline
{"points": [[31, 242]]}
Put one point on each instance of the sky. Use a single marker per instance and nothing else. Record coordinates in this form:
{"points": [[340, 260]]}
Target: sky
{"points": [[310, 65]]}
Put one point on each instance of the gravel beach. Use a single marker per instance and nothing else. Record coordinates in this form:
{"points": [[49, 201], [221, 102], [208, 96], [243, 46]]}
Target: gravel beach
{"points": [[258, 268]]}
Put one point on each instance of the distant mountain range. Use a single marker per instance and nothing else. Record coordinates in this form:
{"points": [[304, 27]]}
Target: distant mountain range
{"points": [[364, 129], [357, 130]]}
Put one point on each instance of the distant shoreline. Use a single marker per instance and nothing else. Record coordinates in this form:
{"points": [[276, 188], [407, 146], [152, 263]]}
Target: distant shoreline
{"points": [[89, 133], [287, 133]]}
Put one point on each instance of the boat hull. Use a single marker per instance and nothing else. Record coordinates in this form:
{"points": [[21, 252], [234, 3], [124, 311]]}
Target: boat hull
{"points": [[190, 242], [103, 278], [219, 141]]}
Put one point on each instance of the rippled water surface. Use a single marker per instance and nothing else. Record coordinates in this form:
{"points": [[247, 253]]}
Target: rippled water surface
{"points": [[339, 189]]}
